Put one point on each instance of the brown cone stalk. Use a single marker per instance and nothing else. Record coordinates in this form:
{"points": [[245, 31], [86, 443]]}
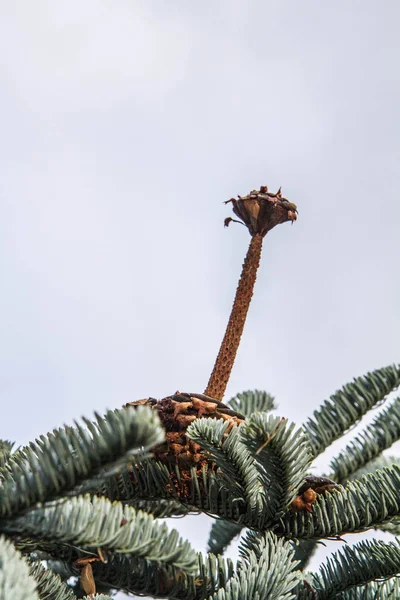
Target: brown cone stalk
{"points": [[226, 356], [260, 211]]}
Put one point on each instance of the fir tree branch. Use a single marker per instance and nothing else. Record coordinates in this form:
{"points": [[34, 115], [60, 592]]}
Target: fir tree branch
{"points": [[98, 523], [15, 580], [136, 575], [367, 561], [49, 585], [162, 508], [221, 535], [264, 486], [377, 464], [382, 433], [304, 550], [65, 458], [282, 456], [348, 405], [393, 525], [198, 490], [233, 458], [375, 590], [359, 506], [98, 597], [5, 452], [267, 570], [224, 449], [147, 480], [252, 401]]}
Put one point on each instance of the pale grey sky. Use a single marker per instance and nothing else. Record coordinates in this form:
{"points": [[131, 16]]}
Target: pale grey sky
{"points": [[124, 126]]}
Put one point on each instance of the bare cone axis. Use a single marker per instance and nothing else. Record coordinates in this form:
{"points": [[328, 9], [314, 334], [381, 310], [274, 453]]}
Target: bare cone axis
{"points": [[260, 211], [227, 353]]}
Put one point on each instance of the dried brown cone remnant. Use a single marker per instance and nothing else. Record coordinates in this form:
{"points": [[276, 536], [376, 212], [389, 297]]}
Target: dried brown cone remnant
{"points": [[176, 412], [260, 211], [309, 491]]}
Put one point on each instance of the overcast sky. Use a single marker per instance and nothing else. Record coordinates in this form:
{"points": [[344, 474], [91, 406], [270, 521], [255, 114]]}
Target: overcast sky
{"points": [[124, 126]]}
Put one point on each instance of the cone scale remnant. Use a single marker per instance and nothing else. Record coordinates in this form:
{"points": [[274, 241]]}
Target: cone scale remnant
{"points": [[260, 211]]}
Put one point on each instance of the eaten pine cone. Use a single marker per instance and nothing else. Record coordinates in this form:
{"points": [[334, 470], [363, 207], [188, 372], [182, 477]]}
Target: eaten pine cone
{"points": [[262, 210], [176, 413]]}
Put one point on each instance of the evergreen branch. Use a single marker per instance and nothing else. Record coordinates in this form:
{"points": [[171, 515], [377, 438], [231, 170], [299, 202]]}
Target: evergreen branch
{"points": [[5, 452], [252, 401], [161, 509], [382, 433], [267, 570], [346, 407], [221, 535], [204, 489], [98, 523], [98, 597], [367, 561], [374, 590], [282, 456], [237, 466], [15, 579], [304, 550], [392, 526], [49, 585], [382, 590], [359, 506], [136, 575], [65, 458], [224, 449], [377, 464], [148, 480]]}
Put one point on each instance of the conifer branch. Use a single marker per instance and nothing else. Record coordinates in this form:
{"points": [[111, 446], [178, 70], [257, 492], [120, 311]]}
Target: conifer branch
{"points": [[304, 550], [240, 464], [138, 576], [93, 523], [50, 586], [62, 460], [366, 562], [5, 452], [282, 457], [228, 452], [98, 597], [346, 407], [202, 489], [252, 401], [16, 582], [378, 464], [358, 507], [267, 570], [221, 535], [161, 508], [382, 433]]}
